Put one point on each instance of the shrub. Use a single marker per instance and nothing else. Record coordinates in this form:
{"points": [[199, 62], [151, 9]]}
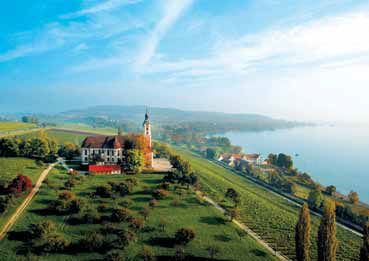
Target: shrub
{"points": [[184, 235], [164, 185], [175, 202], [145, 212], [126, 237], [5, 202], [153, 203], [137, 223], [114, 256], [102, 207], [66, 195], [42, 229], [133, 181], [121, 214], [162, 224], [126, 203], [160, 194], [55, 244], [93, 241], [71, 182], [147, 254], [20, 184], [104, 191]]}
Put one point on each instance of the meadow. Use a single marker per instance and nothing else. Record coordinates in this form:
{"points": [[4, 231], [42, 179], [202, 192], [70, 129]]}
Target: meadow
{"points": [[60, 136], [9, 169], [271, 216], [15, 126], [209, 225]]}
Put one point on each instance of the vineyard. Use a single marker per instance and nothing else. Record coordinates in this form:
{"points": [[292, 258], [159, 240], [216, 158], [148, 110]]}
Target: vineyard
{"points": [[272, 217]]}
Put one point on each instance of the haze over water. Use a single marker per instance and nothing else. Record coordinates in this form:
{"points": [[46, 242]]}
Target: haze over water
{"points": [[336, 155]]}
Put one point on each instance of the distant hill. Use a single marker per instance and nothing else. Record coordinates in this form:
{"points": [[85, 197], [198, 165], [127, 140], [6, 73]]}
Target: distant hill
{"points": [[170, 116]]}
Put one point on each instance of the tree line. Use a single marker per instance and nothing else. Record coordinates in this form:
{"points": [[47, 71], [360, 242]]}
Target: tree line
{"points": [[41, 147]]}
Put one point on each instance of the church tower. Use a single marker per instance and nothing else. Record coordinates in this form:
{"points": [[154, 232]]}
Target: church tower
{"points": [[147, 133]]}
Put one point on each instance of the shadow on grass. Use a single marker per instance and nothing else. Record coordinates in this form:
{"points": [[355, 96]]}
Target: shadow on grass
{"points": [[212, 220], [223, 238], [258, 252], [141, 199], [167, 242], [22, 236], [187, 258]]}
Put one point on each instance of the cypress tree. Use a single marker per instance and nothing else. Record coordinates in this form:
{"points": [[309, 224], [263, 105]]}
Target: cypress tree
{"points": [[364, 252], [327, 242], [302, 235]]}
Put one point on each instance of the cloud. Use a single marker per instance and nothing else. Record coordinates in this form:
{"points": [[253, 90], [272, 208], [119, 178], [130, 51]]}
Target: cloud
{"points": [[315, 43], [101, 7], [173, 9]]}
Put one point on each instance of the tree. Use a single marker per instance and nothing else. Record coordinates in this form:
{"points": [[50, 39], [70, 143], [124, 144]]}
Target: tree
{"points": [[232, 213], [147, 254], [54, 243], [42, 229], [353, 197], [20, 184], [364, 251], [135, 160], [234, 195], [160, 194], [327, 242], [93, 241], [162, 224], [121, 214], [331, 190], [184, 235], [315, 198], [9, 147], [145, 212], [302, 235], [284, 161], [69, 150], [210, 153], [272, 159], [137, 223], [213, 251]]}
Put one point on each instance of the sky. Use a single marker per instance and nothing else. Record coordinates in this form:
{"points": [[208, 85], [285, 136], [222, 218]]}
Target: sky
{"points": [[296, 60]]}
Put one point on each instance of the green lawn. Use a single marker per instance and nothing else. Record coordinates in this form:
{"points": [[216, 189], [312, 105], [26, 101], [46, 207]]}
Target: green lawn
{"points": [[60, 136], [9, 169], [15, 126], [272, 217], [209, 224]]}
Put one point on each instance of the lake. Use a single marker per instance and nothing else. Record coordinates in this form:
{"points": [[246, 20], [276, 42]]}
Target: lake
{"points": [[332, 155]]}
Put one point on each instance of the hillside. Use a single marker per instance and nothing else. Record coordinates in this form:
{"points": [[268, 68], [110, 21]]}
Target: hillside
{"points": [[132, 116], [181, 208]]}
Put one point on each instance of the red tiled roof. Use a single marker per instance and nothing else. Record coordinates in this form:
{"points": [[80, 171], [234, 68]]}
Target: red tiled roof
{"points": [[104, 168], [252, 156], [107, 142]]}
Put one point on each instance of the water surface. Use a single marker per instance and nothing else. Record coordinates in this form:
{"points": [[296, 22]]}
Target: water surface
{"points": [[337, 155]]}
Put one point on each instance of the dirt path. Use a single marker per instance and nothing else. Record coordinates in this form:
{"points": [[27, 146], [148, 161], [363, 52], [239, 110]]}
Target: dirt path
{"points": [[248, 231], [26, 202]]}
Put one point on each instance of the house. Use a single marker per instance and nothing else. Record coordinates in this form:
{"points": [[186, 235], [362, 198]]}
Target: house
{"points": [[255, 159], [107, 154], [230, 159]]}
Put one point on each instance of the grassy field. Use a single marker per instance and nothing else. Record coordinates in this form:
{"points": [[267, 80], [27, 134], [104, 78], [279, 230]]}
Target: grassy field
{"points": [[60, 136], [272, 217], [9, 169], [210, 226], [15, 126], [88, 128]]}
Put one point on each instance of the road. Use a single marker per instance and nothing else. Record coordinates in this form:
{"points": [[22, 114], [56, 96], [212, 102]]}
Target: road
{"points": [[8, 225], [248, 231]]}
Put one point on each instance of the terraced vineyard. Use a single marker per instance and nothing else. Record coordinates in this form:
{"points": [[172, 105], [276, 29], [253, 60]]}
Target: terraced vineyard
{"points": [[272, 217]]}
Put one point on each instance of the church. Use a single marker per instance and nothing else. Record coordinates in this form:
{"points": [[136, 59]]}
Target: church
{"points": [[107, 154]]}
